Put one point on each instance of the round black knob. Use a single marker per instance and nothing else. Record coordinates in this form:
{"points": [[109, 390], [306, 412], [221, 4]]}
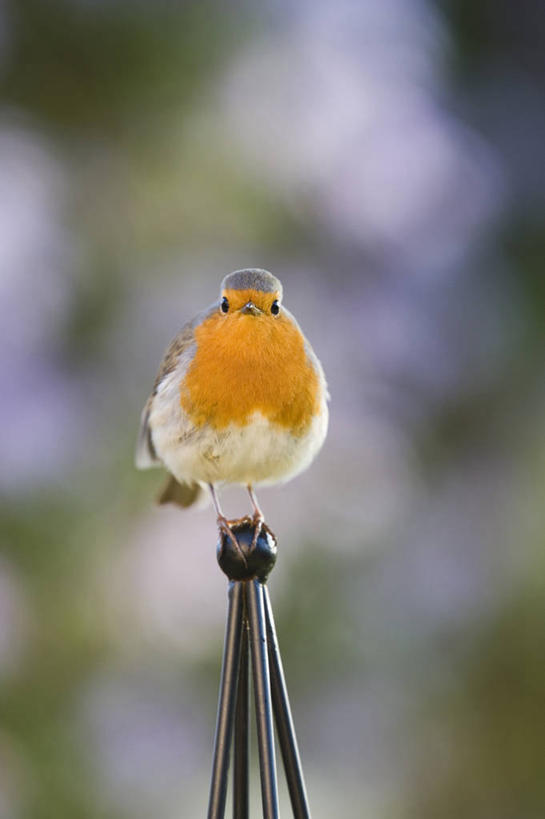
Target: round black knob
{"points": [[247, 561]]}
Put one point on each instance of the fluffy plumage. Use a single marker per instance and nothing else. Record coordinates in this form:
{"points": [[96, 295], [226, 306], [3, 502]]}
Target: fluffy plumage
{"points": [[239, 397]]}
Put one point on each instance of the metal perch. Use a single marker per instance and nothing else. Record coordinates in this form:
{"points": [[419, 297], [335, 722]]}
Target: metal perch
{"points": [[250, 632]]}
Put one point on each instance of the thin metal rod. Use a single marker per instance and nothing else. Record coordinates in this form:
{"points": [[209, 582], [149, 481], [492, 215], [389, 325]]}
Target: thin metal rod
{"points": [[262, 695], [226, 702], [241, 740], [284, 721]]}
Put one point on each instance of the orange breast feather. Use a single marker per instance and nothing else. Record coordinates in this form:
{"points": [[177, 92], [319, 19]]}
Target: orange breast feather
{"points": [[245, 364]]}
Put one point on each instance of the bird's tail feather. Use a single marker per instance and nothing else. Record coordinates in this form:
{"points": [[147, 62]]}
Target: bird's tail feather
{"points": [[181, 494]]}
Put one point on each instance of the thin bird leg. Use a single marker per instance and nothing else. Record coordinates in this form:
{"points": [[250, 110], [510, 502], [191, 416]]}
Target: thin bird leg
{"points": [[258, 514], [223, 523], [258, 517]]}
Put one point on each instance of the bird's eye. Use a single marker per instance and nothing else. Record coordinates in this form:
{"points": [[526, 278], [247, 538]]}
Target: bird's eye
{"points": [[224, 305], [275, 307]]}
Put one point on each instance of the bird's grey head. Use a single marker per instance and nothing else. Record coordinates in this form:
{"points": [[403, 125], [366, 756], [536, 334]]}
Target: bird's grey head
{"points": [[252, 279]]}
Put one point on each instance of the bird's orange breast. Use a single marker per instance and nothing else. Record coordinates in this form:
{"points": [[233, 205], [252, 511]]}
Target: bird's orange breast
{"points": [[245, 364]]}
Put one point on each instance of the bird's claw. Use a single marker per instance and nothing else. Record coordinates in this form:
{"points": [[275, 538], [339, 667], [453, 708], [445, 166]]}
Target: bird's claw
{"points": [[223, 526], [258, 522]]}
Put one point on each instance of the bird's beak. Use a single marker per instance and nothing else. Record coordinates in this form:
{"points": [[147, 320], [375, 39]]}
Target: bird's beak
{"points": [[251, 309]]}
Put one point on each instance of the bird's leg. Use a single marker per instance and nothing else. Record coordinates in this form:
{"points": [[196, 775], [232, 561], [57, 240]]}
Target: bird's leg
{"points": [[258, 517], [223, 523], [258, 514]]}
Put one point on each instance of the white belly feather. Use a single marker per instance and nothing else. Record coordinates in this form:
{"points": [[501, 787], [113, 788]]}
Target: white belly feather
{"points": [[257, 453]]}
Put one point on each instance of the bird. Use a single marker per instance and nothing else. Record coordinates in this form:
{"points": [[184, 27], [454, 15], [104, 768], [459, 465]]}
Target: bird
{"points": [[240, 398]]}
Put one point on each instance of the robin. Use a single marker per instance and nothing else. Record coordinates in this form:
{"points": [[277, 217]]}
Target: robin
{"points": [[240, 398]]}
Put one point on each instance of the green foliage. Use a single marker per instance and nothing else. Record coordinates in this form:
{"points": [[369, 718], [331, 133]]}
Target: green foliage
{"points": [[92, 68]]}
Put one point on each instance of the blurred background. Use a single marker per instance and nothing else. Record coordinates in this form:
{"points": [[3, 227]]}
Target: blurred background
{"points": [[386, 159]]}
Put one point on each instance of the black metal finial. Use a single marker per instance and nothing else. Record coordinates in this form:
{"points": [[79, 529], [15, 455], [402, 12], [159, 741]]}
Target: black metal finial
{"points": [[260, 556]]}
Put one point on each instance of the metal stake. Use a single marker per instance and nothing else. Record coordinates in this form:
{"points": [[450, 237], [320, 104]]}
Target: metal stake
{"points": [[241, 755], [224, 722], [263, 703], [249, 632], [284, 721]]}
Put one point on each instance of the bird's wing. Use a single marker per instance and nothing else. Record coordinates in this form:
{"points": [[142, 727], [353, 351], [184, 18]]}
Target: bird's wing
{"points": [[146, 456]]}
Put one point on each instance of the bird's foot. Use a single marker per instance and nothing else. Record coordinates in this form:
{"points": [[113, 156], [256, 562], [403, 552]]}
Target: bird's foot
{"points": [[258, 522], [225, 529]]}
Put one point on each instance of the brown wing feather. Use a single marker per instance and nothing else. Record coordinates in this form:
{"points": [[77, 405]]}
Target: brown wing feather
{"points": [[146, 455], [177, 346]]}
